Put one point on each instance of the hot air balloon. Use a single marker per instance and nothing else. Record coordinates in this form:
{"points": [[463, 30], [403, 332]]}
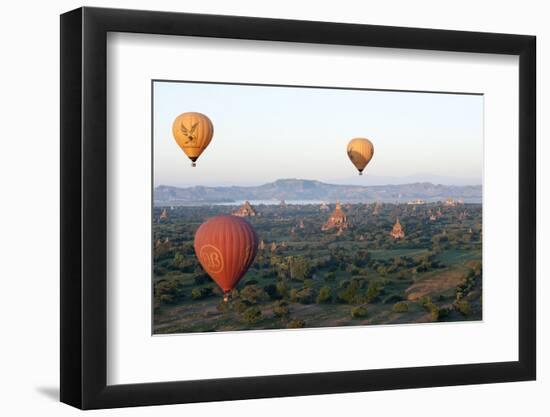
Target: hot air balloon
{"points": [[360, 152], [226, 247], [193, 132]]}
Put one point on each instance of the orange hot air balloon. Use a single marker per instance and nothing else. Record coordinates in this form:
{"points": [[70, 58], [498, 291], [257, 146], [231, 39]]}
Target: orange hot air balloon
{"points": [[193, 132], [226, 247], [360, 152]]}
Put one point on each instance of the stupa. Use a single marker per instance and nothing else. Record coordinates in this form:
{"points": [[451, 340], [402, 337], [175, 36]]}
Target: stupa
{"points": [[163, 215], [246, 210], [337, 219], [397, 231]]}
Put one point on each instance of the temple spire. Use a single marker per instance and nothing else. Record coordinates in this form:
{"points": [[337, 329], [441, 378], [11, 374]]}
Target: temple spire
{"points": [[337, 220], [246, 210], [397, 231]]}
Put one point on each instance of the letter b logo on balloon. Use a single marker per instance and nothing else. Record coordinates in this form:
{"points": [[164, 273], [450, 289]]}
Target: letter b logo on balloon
{"points": [[212, 258], [226, 247]]}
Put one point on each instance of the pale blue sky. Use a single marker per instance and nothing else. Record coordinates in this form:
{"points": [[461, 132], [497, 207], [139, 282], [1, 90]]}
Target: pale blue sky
{"points": [[266, 133]]}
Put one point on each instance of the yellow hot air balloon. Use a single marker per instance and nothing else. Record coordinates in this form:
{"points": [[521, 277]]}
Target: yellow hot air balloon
{"points": [[193, 132], [360, 152]]}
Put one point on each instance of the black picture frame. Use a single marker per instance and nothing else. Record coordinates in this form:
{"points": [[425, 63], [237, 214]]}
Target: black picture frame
{"points": [[84, 207]]}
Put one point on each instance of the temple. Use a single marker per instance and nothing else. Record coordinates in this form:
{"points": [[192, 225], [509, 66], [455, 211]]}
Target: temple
{"points": [[453, 203], [397, 231], [337, 220], [246, 210], [416, 202], [163, 215]]}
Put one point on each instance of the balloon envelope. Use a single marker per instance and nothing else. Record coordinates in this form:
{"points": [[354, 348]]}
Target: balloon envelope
{"points": [[192, 132], [226, 247], [360, 152]]}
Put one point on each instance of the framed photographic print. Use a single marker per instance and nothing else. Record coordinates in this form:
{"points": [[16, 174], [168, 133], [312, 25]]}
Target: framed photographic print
{"points": [[258, 207]]}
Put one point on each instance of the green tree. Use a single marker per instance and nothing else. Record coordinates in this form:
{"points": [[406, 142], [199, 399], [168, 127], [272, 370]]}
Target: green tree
{"points": [[253, 294], [325, 295], [400, 307], [299, 267], [281, 309], [373, 291], [200, 293], [296, 324], [252, 315], [359, 312]]}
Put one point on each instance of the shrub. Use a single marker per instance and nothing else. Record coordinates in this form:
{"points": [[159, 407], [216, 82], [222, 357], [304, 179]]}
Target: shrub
{"points": [[430, 307], [443, 312], [425, 299], [305, 296], [400, 307], [271, 290], [343, 283], [299, 268], [325, 295], [473, 295], [359, 312], [433, 310], [350, 294], [464, 307], [282, 289], [381, 271], [238, 306], [200, 293], [373, 291], [308, 283], [252, 315], [167, 298], [296, 324], [360, 281], [281, 309], [392, 298], [223, 306], [434, 313], [253, 294]]}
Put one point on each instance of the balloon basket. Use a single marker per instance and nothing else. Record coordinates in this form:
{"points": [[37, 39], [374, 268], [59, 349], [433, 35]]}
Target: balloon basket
{"points": [[226, 297], [360, 173], [193, 164]]}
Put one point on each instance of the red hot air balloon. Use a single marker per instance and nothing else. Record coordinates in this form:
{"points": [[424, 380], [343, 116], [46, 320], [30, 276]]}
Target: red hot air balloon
{"points": [[226, 247]]}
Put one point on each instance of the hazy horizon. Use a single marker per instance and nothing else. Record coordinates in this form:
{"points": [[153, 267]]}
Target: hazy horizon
{"points": [[264, 133], [377, 182]]}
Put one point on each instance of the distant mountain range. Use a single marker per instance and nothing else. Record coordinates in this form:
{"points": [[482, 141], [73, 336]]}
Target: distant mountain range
{"points": [[297, 189]]}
